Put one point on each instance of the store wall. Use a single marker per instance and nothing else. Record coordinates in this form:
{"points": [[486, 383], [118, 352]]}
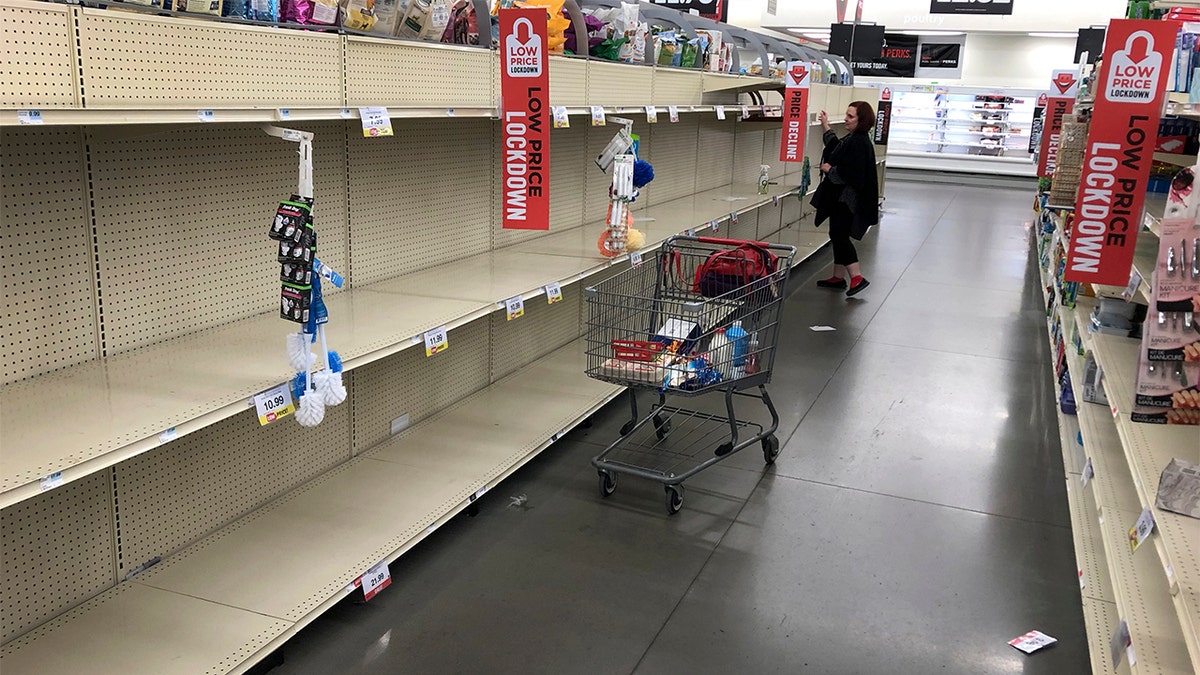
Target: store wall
{"points": [[1005, 61], [1028, 15]]}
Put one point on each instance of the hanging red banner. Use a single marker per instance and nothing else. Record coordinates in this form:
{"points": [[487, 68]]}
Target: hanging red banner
{"points": [[795, 112], [1060, 101], [1120, 150], [525, 131], [883, 117]]}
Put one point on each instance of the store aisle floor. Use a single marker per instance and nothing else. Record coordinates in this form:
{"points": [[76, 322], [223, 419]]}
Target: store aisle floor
{"points": [[915, 521]]}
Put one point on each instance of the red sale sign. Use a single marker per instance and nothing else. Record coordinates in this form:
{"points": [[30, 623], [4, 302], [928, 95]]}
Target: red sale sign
{"points": [[524, 105], [1120, 150], [1064, 86], [795, 112]]}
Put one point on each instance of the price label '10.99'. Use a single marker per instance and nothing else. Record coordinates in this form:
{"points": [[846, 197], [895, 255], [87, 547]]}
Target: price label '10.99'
{"points": [[274, 404], [436, 341]]}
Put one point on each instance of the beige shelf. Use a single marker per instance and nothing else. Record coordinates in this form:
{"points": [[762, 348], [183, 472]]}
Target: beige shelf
{"points": [[1177, 160], [1100, 620], [121, 406], [1146, 450], [138, 629], [104, 66], [1143, 600], [272, 572]]}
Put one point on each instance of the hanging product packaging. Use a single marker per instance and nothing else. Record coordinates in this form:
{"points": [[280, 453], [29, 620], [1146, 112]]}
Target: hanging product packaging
{"points": [[252, 10], [438, 21], [301, 252], [314, 12], [294, 302], [371, 16], [295, 273], [212, 7], [414, 18], [463, 26], [291, 219]]}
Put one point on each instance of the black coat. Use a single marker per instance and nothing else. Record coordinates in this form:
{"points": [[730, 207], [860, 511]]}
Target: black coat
{"points": [[853, 181]]}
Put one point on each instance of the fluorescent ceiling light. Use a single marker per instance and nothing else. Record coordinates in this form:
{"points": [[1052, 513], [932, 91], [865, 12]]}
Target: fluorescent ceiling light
{"points": [[1054, 35], [931, 32]]}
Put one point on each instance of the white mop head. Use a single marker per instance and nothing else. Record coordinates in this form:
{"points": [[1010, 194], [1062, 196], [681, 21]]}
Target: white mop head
{"points": [[298, 353], [311, 409], [329, 384]]}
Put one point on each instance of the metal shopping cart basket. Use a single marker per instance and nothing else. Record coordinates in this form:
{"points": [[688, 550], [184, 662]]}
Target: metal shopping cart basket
{"points": [[701, 316]]}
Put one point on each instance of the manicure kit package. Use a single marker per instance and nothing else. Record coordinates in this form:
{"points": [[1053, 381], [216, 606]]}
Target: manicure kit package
{"points": [[1168, 382]]}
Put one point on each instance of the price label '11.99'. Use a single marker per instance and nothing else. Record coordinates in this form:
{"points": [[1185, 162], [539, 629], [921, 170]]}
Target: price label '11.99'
{"points": [[436, 341]]}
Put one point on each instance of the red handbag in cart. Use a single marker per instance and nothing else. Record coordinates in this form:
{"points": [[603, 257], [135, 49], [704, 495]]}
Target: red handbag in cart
{"points": [[734, 268]]}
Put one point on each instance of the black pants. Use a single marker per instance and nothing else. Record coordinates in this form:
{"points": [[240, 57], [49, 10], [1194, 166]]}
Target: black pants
{"points": [[839, 235]]}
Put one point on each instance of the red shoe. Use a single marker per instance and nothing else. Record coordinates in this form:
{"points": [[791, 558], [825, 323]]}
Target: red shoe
{"points": [[857, 285], [832, 282]]}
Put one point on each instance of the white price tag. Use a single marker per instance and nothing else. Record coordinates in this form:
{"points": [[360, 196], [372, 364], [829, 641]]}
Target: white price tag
{"points": [[1141, 529], [720, 112], [691, 232], [292, 135], [29, 117], [375, 122], [715, 225], [553, 293], [1131, 289], [52, 481], [274, 404], [449, 112], [651, 115], [635, 258], [167, 436], [376, 579], [733, 218], [1082, 580], [515, 307], [1089, 472], [478, 493], [561, 119], [283, 114], [1148, 221], [1032, 641], [436, 341], [205, 116], [673, 113], [598, 116], [745, 112], [775, 200], [347, 114]]}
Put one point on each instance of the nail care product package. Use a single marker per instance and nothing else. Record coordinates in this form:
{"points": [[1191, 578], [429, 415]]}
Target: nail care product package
{"points": [[1168, 382]]}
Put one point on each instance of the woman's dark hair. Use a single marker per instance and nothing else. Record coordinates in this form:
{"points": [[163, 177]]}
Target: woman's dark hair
{"points": [[866, 116]]}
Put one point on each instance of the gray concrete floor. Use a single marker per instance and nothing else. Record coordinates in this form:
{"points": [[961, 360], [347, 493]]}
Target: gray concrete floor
{"points": [[915, 521]]}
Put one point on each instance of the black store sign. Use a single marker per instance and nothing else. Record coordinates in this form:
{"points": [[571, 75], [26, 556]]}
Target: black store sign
{"points": [[896, 58], [717, 10], [940, 55], [970, 6]]}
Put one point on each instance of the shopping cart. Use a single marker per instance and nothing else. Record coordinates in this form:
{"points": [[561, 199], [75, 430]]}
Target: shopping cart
{"points": [[700, 316]]}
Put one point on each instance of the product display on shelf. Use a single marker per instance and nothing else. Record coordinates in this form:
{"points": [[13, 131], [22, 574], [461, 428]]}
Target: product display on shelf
{"points": [[683, 324], [1168, 382], [942, 126], [1123, 352]]}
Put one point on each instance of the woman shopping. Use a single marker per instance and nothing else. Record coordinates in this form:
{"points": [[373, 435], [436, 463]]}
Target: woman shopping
{"points": [[848, 194]]}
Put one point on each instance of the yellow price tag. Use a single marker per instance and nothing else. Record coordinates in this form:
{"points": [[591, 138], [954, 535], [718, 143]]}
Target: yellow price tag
{"points": [[516, 307], [274, 404], [436, 341]]}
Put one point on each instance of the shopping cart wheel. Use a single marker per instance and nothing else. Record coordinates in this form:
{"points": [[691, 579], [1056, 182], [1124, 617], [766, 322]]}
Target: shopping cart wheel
{"points": [[608, 483], [662, 426], [674, 498], [770, 446], [627, 427]]}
